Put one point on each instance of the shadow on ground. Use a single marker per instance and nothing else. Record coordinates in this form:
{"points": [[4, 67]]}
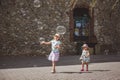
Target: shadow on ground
{"points": [[81, 72], [37, 61], [75, 72]]}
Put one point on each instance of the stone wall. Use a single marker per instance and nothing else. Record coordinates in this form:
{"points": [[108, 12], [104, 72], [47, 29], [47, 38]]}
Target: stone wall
{"points": [[23, 22], [107, 26]]}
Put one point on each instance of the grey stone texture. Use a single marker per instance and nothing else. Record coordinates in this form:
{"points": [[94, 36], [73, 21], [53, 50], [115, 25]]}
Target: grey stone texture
{"points": [[101, 67], [107, 25], [23, 22]]}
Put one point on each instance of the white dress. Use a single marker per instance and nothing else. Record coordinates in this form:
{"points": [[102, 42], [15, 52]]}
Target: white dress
{"points": [[85, 58]]}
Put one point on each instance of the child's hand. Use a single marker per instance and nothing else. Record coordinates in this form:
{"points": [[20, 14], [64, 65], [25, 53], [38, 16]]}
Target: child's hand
{"points": [[57, 46], [88, 54], [43, 42]]}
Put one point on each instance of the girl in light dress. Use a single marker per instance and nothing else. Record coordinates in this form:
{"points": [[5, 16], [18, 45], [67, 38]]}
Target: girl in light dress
{"points": [[85, 57], [54, 55]]}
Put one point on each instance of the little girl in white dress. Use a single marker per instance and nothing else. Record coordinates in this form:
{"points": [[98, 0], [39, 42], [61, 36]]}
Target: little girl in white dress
{"points": [[54, 55], [85, 57]]}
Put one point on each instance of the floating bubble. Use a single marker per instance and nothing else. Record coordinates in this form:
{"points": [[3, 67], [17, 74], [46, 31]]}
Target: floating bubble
{"points": [[37, 3], [60, 30], [41, 39]]}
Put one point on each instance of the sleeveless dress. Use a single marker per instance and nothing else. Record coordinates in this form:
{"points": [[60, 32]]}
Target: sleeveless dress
{"points": [[84, 58], [54, 55]]}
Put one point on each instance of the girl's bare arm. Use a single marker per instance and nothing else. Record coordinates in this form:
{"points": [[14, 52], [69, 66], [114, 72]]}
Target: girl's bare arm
{"points": [[88, 54], [45, 42]]}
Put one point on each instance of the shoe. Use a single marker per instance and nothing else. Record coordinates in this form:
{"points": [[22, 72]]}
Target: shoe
{"points": [[53, 71], [82, 69]]}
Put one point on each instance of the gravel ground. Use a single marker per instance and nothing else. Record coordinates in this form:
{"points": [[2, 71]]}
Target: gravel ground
{"points": [[102, 67]]}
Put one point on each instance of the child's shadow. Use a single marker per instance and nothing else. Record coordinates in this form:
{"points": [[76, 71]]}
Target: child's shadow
{"points": [[90, 71], [99, 70], [76, 72]]}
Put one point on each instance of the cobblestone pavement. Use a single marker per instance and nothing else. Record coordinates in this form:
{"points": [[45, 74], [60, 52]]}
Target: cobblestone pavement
{"points": [[102, 67]]}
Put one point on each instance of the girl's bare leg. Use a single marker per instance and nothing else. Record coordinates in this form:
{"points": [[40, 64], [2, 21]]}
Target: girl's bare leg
{"points": [[53, 66], [82, 67], [86, 66]]}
